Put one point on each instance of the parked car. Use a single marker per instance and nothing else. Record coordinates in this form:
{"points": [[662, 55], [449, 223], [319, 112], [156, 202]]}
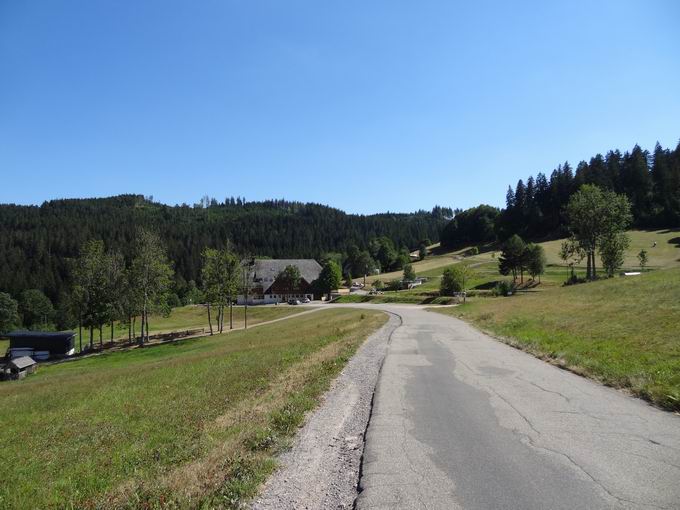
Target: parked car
{"points": [[306, 300], [293, 301]]}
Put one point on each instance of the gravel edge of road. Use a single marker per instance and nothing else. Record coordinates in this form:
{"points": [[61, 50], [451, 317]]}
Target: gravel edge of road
{"points": [[322, 467]]}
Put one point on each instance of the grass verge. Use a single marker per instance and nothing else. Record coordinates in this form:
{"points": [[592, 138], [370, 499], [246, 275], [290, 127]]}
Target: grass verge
{"points": [[192, 424], [622, 332]]}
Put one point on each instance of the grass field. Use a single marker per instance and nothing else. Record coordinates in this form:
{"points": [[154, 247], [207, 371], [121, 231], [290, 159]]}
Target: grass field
{"points": [[666, 254], [621, 331], [195, 423], [195, 316]]}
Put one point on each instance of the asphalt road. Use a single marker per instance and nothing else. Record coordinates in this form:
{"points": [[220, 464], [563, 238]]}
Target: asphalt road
{"points": [[460, 420]]}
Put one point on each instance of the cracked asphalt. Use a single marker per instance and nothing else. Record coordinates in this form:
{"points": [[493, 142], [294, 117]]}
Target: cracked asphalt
{"points": [[460, 420]]}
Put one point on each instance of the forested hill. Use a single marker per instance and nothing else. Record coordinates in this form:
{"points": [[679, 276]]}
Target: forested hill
{"points": [[37, 241], [536, 208]]}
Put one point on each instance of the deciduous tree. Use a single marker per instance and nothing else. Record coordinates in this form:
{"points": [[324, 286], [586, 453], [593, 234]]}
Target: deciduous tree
{"points": [[9, 313], [330, 277], [409, 273], [643, 259], [536, 260], [595, 216], [572, 254], [35, 308], [612, 248], [513, 258], [152, 274]]}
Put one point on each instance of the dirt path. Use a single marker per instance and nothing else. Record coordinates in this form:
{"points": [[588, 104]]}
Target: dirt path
{"points": [[321, 470]]}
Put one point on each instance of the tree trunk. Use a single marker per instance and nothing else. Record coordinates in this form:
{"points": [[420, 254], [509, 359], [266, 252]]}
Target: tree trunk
{"points": [[141, 336], [91, 337], [210, 320], [80, 333], [594, 270], [111, 332], [134, 321], [231, 313], [101, 339]]}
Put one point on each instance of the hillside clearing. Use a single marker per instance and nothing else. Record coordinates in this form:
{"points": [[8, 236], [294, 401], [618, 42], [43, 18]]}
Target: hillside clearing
{"points": [[192, 423], [621, 331], [666, 254]]}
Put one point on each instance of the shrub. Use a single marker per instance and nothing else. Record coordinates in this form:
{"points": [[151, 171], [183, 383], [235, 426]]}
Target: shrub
{"points": [[473, 251], [504, 288], [394, 285], [453, 280]]}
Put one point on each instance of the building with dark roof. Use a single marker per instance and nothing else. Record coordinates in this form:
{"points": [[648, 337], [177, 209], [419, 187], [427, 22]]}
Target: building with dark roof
{"points": [[41, 344], [266, 288]]}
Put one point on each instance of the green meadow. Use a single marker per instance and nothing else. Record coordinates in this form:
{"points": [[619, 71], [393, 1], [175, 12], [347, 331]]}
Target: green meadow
{"points": [[194, 317], [194, 423], [485, 275]]}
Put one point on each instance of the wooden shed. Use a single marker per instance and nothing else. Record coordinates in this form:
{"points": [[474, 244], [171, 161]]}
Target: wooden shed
{"points": [[18, 368]]}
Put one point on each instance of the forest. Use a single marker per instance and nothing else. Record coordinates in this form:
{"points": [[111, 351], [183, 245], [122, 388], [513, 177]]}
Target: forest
{"points": [[536, 209], [39, 243]]}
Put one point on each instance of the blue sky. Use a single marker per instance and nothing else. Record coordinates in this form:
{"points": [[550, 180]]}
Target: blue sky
{"points": [[365, 106]]}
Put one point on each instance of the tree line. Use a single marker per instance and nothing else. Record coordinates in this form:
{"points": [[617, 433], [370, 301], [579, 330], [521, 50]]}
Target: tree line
{"points": [[105, 290], [38, 243], [537, 208]]}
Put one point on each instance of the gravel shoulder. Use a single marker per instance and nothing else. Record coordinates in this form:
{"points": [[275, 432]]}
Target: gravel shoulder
{"points": [[321, 469]]}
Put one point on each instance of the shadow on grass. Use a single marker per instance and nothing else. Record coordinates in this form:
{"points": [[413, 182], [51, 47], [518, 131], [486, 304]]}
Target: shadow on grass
{"points": [[487, 285], [482, 247]]}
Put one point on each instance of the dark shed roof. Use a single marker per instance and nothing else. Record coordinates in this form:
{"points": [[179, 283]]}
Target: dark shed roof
{"points": [[56, 342], [22, 363]]}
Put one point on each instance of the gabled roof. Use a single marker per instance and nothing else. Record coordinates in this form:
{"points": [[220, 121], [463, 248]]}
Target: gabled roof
{"points": [[265, 271], [23, 362]]}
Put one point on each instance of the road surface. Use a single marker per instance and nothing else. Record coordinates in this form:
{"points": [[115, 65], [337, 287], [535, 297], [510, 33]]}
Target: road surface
{"points": [[460, 420]]}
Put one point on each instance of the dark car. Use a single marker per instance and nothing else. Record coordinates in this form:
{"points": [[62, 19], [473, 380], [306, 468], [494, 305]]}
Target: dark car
{"points": [[293, 301]]}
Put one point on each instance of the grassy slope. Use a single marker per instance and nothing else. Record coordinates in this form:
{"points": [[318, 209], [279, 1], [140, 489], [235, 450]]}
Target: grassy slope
{"points": [[622, 331], [195, 316], [485, 266], [195, 422]]}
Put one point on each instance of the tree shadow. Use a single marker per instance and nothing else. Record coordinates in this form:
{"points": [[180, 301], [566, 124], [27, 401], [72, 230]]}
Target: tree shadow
{"points": [[486, 285], [675, 241]]}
